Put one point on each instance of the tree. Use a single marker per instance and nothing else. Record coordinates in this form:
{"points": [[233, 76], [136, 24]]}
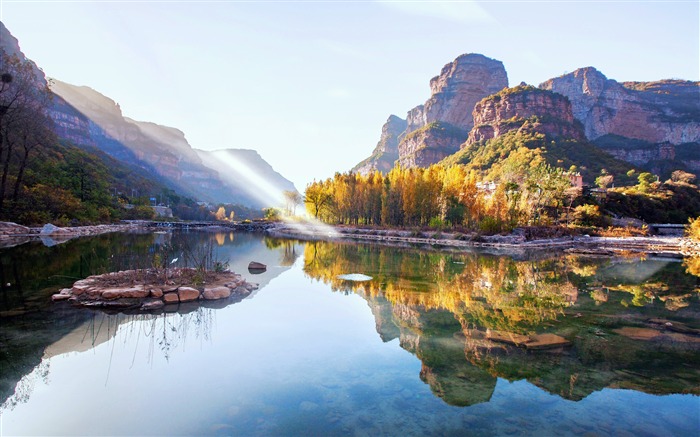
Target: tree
{"points": [[292, 198], [316, 197], [645, 180], [220, 214], [24, 100], [604, 180]]}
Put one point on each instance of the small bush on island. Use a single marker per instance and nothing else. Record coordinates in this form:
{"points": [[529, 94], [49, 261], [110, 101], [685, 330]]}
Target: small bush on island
{"points": [[692, 231]]}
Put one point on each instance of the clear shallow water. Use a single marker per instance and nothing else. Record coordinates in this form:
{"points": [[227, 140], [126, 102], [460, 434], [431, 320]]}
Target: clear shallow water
{"points": [[396, 356]]}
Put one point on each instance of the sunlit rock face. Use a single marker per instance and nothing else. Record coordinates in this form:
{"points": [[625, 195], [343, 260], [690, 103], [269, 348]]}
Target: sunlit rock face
{"points": [[524, 107], [460, 85], [454, 93], [666, 111], [429, 144]]}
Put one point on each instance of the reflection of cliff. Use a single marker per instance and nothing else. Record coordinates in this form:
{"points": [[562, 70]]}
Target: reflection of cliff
{"points": [[464, 315], [33, 329]]}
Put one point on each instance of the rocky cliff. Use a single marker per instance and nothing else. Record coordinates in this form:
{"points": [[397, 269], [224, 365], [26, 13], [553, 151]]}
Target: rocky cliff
{"points": [[665, 111], [429, 144], [387, 151], [524, 107], [454, 92]]}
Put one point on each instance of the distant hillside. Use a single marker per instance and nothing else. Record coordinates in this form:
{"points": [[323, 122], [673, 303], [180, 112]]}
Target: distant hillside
{"points": [[248, 175]]}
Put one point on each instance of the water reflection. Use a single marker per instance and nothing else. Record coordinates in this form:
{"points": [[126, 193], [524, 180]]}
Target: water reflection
{"points": [[30, 325], [453, 311], [298, 359]]}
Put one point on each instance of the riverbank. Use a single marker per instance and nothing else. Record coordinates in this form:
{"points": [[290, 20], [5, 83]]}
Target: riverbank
{"points": [[661, 246], [12, 234]]}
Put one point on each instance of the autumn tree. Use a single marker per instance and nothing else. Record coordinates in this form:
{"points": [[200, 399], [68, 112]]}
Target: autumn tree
{"points": [[24, 100], [316, 198]]}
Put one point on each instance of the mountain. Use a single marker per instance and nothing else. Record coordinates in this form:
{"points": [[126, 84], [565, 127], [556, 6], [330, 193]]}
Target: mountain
{"points": [[655, 125], [248, 176], [651, 125], [666, 111], [387, 151], [211, 176], [435, 129], [519, 125]]}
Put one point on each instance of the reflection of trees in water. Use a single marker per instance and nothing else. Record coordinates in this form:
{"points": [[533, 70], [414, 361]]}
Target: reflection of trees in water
{"points": [[25, 387], [289, 253], [164, 332], [492, 292], [443, 305], [158, 333]]}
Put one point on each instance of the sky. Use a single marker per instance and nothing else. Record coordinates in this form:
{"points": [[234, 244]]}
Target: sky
{"points": [[309, 84]]}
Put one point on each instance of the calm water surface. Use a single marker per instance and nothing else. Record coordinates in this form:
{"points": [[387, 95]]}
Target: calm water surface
{"points": [[407, 353]]}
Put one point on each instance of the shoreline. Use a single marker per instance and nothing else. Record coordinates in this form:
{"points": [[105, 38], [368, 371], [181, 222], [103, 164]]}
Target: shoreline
{"points": [[659, 246], [674, 247]]}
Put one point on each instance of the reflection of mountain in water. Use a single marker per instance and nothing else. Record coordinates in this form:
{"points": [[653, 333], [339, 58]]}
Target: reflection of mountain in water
{"points": [[444, 308], [34, 329]]}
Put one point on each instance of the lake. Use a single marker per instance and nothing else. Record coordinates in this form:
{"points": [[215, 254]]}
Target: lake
{"points": [[424, 347]]}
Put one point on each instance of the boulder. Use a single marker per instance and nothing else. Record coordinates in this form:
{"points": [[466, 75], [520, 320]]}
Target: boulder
{"points": [[254, 265], [137, 291], [187, 294], [152, 304], [50, 229], [156, 292], [171, 298], [214, 293], [60, 296], [10, 228]]}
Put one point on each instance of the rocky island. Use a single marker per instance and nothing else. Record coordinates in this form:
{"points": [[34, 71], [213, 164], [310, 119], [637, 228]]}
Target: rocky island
{"points": [[153, 289]]}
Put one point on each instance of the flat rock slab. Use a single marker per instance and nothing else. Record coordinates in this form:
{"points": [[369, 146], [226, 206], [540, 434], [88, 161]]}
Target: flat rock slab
{"points": [[638, 333], [507, 337], [546, 341], [137, 291]]}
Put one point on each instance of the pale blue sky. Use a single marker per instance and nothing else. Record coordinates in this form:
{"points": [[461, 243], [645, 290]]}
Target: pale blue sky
{"points": [[309, 84]]}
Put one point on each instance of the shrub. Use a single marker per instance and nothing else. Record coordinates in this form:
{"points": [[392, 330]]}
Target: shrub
{"points": [[490, 225], [589, 215], [692, 231]]}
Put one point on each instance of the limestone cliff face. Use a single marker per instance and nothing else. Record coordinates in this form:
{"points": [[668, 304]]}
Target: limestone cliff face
{"points": [[112, 129], [460, 85], [454, 92], [387, 151], [429, 145], [524, 107], [657, 112]]}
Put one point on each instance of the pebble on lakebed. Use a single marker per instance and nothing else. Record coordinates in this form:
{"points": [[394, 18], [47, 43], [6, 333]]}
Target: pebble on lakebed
{"points": [[152, 289]]}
